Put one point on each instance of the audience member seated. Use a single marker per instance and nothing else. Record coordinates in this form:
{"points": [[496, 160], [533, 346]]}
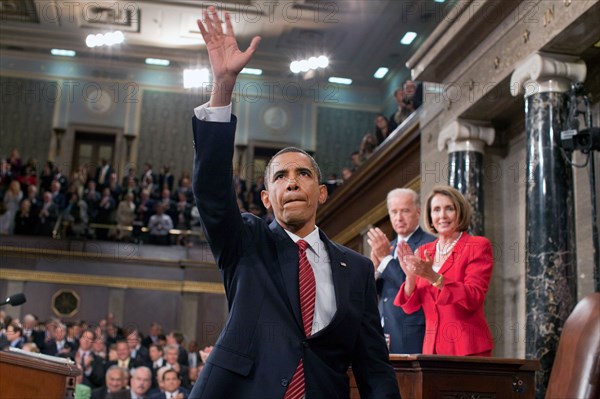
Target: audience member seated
{"points": [[137, 353], [76, 215], [14, 336], [145, 208], [106, 206], [355, 160], [156, 354], [125, 216], [382, 128], [172, 386], [413, 95], [47, 176], [58, 343], [116, 385], [346, 173], [58, 197], [12, 199], [140, 382], [25, 219], [14, 160], [102, 174], [166, 179], [93, 366], [159, 226], [367, 146], [182, 370]]}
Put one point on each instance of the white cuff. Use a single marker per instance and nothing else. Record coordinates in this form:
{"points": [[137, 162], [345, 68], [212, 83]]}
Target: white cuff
{"points": [[213, 114], [383, 264]]}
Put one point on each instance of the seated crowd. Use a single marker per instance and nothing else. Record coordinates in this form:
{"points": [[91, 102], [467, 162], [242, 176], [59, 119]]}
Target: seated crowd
{"points": [[100, 207], [115, 362]]}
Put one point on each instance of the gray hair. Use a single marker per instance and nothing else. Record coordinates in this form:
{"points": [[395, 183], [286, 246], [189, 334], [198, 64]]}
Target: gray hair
{"points": [[397, 192]]}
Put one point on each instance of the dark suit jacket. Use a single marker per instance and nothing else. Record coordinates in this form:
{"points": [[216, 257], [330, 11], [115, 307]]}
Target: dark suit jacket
{"points": [[162, 395], [263, 340], [406, 331], [455, 322]]}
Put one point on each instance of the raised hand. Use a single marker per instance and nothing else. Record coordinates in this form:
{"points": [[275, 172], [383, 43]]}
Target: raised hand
{"points": [[226, 59], [380, 245]]}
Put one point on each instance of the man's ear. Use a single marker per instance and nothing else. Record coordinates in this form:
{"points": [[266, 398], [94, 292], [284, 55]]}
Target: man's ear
{"points": [[322, 194], [264, 196]]}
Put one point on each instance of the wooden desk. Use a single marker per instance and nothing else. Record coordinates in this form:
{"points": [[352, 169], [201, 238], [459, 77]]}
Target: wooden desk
{"points": [[458, 377], [25, 376]]}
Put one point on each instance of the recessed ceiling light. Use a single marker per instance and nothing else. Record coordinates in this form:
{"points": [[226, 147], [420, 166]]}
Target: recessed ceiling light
{"points": [[408, 38], [381, 72], [157, 61], [63, 53], [439, 1], [252, 71], [342, 81]]}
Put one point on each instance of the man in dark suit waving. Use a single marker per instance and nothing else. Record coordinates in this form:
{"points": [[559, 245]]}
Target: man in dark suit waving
{"points": [[302, 309], [406, 332]]}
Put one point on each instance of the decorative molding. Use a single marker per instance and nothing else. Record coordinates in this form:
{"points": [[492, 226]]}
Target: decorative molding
{"points": [[461, 135], [542, 73], [112, 282], [34, 253]]}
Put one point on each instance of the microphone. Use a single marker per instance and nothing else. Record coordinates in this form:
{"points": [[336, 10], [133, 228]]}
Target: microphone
{"points": [[15, 300]]}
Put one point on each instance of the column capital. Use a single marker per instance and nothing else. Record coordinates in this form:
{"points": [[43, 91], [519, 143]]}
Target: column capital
{"points": [[463, 135], [544, 72]]}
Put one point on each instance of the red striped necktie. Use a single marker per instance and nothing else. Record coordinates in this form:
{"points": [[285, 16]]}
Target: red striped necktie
{"points": [[307, 290]]}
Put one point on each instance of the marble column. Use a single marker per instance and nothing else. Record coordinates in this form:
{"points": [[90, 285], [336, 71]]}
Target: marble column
{"points": [[550, 232], [466, 141]]}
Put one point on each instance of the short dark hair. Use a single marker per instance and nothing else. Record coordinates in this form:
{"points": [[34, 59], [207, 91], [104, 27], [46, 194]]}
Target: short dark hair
{"points": [[170, 371], [314, 163]]}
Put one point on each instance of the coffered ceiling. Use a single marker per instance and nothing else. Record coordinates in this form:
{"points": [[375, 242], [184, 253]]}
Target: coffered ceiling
{"points": [[358, 36]]}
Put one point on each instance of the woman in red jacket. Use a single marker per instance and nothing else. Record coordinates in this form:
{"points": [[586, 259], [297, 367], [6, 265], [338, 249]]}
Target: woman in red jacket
{"points": [[449, 278]]}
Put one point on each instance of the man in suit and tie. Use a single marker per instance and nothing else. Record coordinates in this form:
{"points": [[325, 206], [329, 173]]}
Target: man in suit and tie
{"points": [[302, 309], [406, 332]]}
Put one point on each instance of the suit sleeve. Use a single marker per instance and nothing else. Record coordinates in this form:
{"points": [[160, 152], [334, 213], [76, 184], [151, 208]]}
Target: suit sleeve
{"points": [[213, 188], [476, 258], [374, 375]]}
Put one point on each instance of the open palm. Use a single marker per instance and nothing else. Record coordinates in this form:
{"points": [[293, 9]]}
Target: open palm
{"points": [[226, 59]]}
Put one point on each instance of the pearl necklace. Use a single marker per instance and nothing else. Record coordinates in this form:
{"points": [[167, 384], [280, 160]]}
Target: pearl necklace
{"points": [[447, 248]]}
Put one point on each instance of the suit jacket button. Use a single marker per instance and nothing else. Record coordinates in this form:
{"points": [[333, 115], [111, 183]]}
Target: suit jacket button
{"points": [[284, 382], [305, 344]]}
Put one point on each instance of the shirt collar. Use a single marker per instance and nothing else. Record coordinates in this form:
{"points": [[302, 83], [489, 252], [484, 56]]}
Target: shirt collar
{"points": [[400, 238], [313, 239]]}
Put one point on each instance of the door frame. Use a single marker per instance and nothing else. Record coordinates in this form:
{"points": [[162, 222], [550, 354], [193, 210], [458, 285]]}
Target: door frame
{"points": [[67, 152]]}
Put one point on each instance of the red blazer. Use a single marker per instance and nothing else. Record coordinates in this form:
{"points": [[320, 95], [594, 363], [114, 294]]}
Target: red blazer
{"points": [[454, 319]]}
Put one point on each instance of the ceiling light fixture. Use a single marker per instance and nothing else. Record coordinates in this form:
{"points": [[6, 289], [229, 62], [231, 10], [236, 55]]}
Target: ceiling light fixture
{"points": [[107, 39], [311, 63], [252, 71], [157, 61], [63, 53], [341, 81], [381, 72], [408, 38]]}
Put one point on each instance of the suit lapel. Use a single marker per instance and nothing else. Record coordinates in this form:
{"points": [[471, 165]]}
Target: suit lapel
{"points": [[287, 284]]}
